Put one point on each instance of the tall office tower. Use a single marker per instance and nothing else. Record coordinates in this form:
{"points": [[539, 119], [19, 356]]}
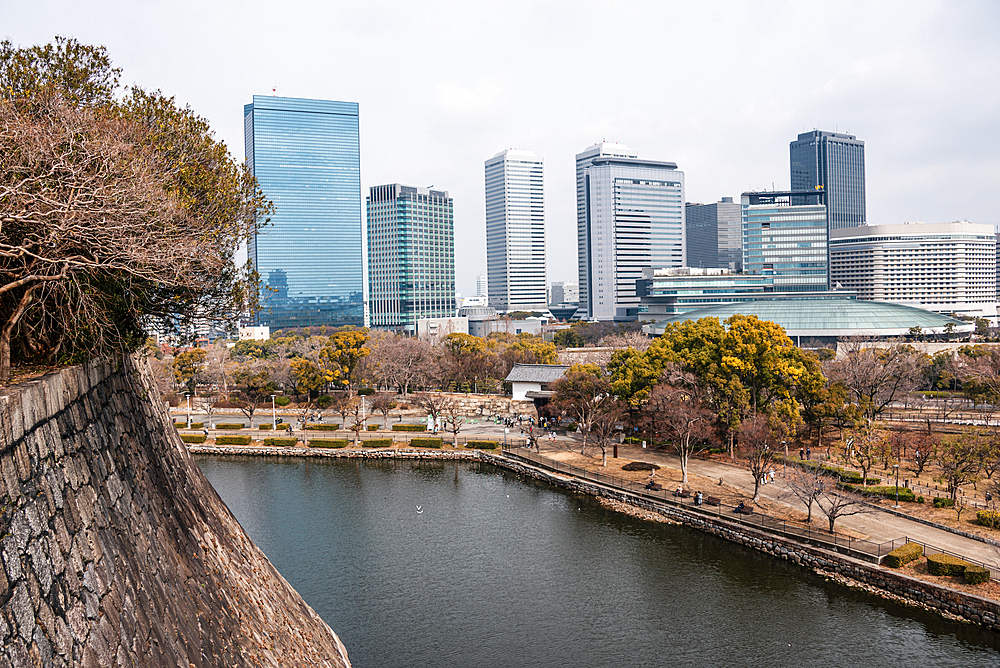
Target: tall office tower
{"points": [[515, 231], [714, 235], [950, 268], [835, 162], [411, 256], [583, 160], [633, 220], [306, 157], [786, 242], [482, 286]]}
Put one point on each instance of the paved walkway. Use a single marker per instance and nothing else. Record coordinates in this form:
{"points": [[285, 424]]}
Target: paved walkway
{"points": [[880, 526]]}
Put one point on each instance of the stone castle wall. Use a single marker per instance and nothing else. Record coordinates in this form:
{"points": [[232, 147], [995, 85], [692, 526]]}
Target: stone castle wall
{"points": [[116, 551]]}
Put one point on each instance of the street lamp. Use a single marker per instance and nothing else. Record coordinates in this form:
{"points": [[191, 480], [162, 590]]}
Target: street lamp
{"points": [[188, 395], [896, 466], [274, 416]]}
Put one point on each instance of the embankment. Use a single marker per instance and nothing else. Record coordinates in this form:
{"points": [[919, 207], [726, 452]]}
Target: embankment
{"points": [[115, 549]]}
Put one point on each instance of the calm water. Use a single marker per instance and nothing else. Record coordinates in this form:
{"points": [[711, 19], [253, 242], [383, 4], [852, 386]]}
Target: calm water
{"points": [[501, 571]]}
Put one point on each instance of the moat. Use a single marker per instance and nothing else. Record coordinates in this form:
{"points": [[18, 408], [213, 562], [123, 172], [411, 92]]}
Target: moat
{"points": [[438, 564]]}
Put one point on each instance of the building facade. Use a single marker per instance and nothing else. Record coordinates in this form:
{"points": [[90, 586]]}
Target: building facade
{"points": [[785, 241], [515, 231], [564, 292], [834, 163], [949, 268], [714, 235], [411, 256], [306, 157], [664, 293], [634, 219]]}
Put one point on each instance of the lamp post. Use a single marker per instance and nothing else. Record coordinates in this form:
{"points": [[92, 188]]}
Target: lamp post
{"points": [[274, 416], [188, 395], [896, 466]]}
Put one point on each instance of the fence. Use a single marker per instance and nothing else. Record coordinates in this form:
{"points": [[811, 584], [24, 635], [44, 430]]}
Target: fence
{"points": [[864, 550]]}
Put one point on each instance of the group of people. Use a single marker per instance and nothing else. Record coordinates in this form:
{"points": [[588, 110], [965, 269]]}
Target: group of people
{"points": [[767, 477]]}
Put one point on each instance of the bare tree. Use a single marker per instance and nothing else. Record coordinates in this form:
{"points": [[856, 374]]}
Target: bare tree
{"points": [[876, 376], [806, 483], [584, 393], [453, 417], [836, 503], [434, 403], [679, 407], [384, 403], [961, 459], [864, 447], [357, 418], [399, 362], [115, 216], [756, 444], [607, 424]]}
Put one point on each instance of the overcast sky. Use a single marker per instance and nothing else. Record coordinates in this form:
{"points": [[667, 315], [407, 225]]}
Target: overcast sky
{"points": [[720, 88]]}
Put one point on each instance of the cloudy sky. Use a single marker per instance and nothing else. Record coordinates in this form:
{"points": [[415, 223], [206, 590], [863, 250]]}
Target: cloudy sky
{"points": [[719, 87]]}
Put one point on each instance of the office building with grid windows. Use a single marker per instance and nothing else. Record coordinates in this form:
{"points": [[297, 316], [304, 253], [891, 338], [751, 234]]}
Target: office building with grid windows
{"points": [[714, 235], [949, 268], [633, 220], [835, 163], [411, 256], [786, 242], [515, 231], [306, 157]]}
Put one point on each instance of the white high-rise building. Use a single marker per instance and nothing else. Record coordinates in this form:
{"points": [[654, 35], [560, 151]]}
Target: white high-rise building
{"points": [[632, 219], [583, 160], [949, 268], [482, 287], [515, 231]]}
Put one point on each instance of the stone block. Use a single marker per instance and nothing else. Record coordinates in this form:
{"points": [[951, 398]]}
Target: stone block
{"points": [[54, 393], [32, 404]]}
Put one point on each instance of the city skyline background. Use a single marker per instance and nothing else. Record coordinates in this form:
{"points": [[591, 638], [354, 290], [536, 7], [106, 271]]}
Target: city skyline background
{"points": [[721, 89]]}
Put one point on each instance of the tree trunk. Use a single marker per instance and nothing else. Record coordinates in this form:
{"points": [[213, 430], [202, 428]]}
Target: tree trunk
{"points": [[8, 330]]}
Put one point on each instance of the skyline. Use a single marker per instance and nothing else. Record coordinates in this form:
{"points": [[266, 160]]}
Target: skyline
{"points": [[720, 89]]}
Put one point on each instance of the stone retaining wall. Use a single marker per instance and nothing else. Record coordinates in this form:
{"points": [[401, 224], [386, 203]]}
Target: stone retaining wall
{"points": [[115, 549]]}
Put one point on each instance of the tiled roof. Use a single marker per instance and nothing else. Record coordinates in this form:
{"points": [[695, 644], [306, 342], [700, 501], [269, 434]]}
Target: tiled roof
{"points": [[536, 373]]}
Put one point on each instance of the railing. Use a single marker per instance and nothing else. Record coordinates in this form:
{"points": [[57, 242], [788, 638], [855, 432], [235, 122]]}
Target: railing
{"points": [[865, 550]]}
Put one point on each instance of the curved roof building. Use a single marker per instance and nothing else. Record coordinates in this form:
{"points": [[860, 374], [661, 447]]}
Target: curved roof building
{"points": [[827, 316]]}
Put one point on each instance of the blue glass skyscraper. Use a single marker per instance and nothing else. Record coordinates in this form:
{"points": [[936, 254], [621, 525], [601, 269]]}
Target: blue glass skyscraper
{"points": [[307, 159], [835, 163]]}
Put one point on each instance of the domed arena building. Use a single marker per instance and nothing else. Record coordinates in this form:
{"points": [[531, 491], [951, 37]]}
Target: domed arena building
{"points": [[820, 320]]}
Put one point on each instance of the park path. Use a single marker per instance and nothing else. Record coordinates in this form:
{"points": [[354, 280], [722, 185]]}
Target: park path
{"points": [[879, 525]]}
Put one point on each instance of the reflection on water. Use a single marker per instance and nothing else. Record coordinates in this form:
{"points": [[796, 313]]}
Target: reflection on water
{"points": [[496, 570]]}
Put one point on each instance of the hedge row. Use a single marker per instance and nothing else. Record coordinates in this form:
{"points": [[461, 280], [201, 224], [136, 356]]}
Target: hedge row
{"points": [[640, 466], [377, 443], [230, 425], [265, 426], [281, 442], [328, 443], [904, 555], [409, 427], [882, 491], [943, 502], [194, 425], [844, 475], [976, 574], [945, 564], [482, 445], [373, 427], [232, 440], [193, 438], [425, 442], [988, 518], [322, 427]]}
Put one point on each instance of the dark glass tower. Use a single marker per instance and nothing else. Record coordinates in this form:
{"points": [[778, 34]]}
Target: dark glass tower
{"points": [[307, 159], [835, 162]]}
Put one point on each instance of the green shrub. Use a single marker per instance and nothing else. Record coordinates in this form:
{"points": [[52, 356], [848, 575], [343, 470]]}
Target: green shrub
{"points": [[943, 502], [853, 477], [194, 438], [945, 564], [920, 499], [572, 426], [281, 442], [328, 443], [366, 391], [482, 445], [230, 425], [425, 442], [904, 555], [373, 427], [232, 440], [632, 440], [324, 401], [265, 425], [182, 424], [409, 427], [889, 492], [377, 443], [988, 518], [976, 575], [322, 427], [282, 401], [640, 466]]}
